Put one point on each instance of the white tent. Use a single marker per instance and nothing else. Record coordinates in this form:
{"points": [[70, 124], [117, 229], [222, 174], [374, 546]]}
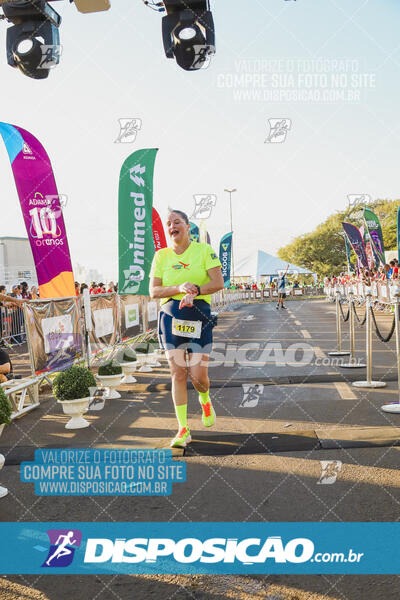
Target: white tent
{"points": [[260, 264]]}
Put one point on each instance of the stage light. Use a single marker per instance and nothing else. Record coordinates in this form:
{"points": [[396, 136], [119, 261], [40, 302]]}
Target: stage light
{"points": [[188, 33], [33, 41]]}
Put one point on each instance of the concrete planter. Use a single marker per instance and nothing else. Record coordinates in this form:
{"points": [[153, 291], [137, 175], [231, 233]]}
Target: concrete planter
{"points": [[111, 381], [128, 368], [75, 409]]}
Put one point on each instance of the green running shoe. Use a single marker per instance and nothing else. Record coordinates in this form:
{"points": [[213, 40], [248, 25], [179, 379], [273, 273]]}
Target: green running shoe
{"points": [[208, 415], [182, 438]]}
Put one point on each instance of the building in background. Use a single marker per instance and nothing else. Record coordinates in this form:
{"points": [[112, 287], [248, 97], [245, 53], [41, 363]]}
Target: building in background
{"points": [[16, 265], [87, 275], [16, 262]]}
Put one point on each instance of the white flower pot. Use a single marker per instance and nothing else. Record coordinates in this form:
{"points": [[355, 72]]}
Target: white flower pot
{"points": [[3, 490], [75, 409], [111, 381], [128, 368], [152, 360], [143, 360]]}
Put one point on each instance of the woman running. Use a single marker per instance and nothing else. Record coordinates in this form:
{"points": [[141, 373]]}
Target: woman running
{"points": [[184, 277]]}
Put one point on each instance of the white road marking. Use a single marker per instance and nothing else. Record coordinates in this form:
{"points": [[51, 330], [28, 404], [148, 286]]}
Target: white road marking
{"points": [[318, 352], [306, 334], [345, 392]]}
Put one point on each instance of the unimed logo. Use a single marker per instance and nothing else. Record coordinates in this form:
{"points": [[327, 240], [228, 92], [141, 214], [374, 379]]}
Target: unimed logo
{"points": [[248, 551]]}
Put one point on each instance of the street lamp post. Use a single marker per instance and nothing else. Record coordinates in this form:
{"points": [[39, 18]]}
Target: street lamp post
{"points": [[230, 192]]}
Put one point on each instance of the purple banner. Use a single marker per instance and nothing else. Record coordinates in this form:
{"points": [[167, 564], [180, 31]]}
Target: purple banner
{"points": [[41, 209], [355, 238]]}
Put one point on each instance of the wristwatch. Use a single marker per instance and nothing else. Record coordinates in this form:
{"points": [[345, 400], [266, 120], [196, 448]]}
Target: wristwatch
{"points": [[198, 290]]}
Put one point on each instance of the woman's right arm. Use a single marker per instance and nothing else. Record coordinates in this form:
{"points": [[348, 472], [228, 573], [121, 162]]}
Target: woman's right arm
{"points": [[157, 290]]}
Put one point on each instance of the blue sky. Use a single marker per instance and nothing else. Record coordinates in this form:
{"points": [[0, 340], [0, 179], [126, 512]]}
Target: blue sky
{"points": [[211, 135]]}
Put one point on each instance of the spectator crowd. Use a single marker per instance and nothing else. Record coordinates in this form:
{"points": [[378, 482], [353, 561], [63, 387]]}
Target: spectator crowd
{"points": [[387, 272], [21, 291]]}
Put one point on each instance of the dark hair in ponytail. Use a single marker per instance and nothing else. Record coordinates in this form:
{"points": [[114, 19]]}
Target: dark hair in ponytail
{"points": [[182, 214]]}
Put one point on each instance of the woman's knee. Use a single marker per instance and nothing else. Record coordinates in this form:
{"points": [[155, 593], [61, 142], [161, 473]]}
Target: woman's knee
{"points": [[200, 379], [179, 374]]}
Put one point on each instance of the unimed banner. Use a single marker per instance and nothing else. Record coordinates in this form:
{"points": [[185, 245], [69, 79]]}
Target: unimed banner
{"points": [[356, 241], [135, 218], [40, 205], [225, 256], [375, 232], [55, 335]]}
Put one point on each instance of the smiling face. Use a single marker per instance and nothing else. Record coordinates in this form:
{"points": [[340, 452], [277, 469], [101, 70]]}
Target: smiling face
{"points": [[178, 229]]}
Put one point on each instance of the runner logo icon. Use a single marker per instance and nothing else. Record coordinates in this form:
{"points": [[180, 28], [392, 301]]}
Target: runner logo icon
{"points": [[63, 543], [128, 129], [361, 200], [204, 203], [251, 395], [278, 130], [51, 54], [330, 471]]}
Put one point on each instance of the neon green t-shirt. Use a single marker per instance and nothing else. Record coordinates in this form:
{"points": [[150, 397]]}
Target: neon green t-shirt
{"points": [[192, 266]]}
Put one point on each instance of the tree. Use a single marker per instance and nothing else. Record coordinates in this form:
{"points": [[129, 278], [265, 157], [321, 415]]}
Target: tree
{"points": [[323, 250]]}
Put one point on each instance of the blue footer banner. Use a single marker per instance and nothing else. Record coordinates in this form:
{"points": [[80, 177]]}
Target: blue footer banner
{"points": [[214, 548]]}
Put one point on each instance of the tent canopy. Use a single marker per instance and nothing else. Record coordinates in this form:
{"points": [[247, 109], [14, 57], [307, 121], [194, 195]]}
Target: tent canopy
{"points": [[260, 264]]}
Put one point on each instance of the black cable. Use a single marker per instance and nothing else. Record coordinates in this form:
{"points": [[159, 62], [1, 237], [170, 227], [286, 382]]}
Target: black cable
{"points": [[345, 318], [378, 333], [360, 323]]}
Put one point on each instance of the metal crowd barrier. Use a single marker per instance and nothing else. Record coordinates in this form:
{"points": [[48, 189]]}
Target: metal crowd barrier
{"points": [[387, 293], [12, 325], [382, 292], [25, 396]]}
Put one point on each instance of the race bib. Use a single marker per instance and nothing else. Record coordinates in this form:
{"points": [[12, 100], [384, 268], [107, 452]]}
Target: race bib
{"points": [[183, 328]]}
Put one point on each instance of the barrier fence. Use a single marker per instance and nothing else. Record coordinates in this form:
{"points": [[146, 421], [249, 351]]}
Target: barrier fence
{"points": [[56, 330], [13, 328], [378, 294], [382, 292], [58, 336], [12, 325]]}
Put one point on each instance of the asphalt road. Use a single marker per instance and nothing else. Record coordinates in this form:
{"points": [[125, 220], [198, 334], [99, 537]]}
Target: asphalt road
{"points": [[260, 462]]}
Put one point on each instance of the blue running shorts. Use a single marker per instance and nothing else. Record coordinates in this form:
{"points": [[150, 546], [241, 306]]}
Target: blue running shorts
{"points": [[200, 311]]}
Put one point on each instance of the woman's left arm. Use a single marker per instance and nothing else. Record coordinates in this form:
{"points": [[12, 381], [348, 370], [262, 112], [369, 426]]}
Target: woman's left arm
{"points": [[216, 282]]}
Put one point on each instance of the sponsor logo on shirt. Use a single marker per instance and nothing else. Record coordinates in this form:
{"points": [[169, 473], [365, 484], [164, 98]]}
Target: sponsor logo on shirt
{"points": [[180, 265]]}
